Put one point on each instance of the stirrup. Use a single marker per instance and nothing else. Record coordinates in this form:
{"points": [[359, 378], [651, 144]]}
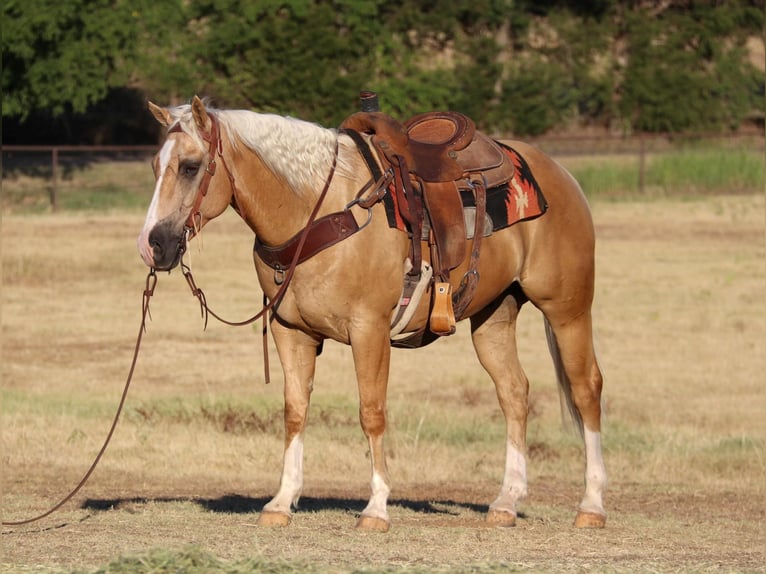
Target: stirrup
{"points": [[442, 321]]}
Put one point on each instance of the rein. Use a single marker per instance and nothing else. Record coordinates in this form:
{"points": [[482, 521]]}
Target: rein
{"points": [[151, 282], [268, 305]]}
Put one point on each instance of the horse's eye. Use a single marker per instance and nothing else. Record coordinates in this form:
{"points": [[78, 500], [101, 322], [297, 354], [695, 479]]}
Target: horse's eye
{"points": [[189, 169]]}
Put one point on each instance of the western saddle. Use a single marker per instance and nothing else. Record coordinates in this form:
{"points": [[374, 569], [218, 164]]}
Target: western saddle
{"points": [[433, 157]]}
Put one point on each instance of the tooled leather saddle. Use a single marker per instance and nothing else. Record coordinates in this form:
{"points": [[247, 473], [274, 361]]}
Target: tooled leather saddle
{"points": [[434, 156]]}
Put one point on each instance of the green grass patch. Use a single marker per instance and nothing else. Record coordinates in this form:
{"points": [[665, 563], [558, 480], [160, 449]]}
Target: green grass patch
{"points": [[196, 561], [193, 560], [224, 415], [683, 172], [707, 171], [98, 186], [457, 427], [461, 432], [241, 417], [54, 404], [112, 197], [687, 170], [730, 457], [610, 177]]}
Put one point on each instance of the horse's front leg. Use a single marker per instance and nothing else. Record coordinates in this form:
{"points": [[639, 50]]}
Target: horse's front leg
{"points": [[297, 353], [372, 353]]}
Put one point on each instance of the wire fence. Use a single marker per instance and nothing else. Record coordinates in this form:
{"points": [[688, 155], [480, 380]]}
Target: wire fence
{"points": [[52, 167]]}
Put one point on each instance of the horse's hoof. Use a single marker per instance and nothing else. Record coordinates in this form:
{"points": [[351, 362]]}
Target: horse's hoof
{"points": [[589, 520], [372, 523], [501, 518], [268, 518]]}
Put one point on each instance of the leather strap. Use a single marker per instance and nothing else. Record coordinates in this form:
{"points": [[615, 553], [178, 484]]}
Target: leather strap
{"points": [[366, 152], [470, 281], [409, 201], [213, 139], [411, 208], [323, 233], [447, 225], [330, 229]]}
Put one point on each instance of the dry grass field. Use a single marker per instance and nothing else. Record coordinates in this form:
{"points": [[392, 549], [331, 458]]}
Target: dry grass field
{"points": [[680, 320]]}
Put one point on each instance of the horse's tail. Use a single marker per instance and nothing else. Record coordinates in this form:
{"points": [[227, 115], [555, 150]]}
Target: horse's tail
{"points": [[565, 385]]}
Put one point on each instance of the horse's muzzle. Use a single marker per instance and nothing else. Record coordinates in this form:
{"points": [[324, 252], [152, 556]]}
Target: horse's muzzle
{"points": [[168, 246]]}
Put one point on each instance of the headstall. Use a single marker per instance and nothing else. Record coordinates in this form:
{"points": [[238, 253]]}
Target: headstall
{"points": [[215, 148]]}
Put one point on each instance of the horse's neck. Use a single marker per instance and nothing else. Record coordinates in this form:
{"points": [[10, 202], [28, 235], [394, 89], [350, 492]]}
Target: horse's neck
{"points": [[272, 198], [262, 197]]}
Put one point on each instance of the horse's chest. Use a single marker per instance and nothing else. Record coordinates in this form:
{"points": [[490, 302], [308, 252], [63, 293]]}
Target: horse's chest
{"points": [[320, 309]]}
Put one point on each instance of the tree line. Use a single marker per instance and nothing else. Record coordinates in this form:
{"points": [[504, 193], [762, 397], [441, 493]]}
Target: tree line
{"points": [[523, 67]]}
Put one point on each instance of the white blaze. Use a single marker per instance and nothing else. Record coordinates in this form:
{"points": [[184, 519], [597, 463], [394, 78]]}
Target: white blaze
{"points": [[152, 216]]}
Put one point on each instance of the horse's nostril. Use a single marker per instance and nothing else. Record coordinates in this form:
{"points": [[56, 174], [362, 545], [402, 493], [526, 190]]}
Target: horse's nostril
{"points": [[156, 248], [166, 246]]}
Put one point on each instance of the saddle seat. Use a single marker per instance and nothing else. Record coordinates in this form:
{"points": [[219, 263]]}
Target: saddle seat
{"points": [[442, 153], [437, 146]]}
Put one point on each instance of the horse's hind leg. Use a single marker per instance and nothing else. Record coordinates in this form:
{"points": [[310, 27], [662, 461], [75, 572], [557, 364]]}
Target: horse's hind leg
{"points": [[297, 353], [571, 342], [494, 338]]}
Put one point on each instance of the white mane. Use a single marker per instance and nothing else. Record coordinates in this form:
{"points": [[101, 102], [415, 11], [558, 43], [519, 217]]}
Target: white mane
{"points": [[299, 151]]}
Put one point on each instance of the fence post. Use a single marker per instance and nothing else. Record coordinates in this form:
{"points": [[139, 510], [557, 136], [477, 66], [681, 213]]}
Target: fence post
{"points": [[642, 164], [54, 178]]}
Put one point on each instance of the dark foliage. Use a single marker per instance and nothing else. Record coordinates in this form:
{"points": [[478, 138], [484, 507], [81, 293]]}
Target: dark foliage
{"points": [[522, 67]]}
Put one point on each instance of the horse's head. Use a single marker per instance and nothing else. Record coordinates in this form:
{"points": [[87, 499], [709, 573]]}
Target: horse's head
{"points": [[187, 194]]}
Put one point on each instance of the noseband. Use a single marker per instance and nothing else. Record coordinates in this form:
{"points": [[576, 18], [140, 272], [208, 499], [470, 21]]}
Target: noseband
{"points": [[215, 148]]}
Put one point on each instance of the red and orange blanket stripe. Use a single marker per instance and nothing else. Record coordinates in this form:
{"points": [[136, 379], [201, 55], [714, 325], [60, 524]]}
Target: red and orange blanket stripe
{"points": [[518, 200]]}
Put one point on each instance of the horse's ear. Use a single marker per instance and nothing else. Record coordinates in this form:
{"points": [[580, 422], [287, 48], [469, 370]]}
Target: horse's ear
{"points": [[161, 114], [200, 115]]}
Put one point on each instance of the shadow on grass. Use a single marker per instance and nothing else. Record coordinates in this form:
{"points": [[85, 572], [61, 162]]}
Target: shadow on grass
{"points": [[238, 504]]}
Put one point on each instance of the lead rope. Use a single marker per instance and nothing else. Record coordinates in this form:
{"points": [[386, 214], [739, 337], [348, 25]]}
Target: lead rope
{"points": [[151, 282]]}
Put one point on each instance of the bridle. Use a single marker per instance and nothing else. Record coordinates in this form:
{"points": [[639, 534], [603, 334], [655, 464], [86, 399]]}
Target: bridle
{"points": [[215, 150]]}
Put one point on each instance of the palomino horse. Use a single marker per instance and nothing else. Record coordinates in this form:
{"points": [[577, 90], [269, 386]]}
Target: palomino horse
{"points": [[273, 171]]}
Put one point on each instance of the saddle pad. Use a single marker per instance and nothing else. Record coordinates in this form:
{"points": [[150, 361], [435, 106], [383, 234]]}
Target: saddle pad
{"points": [[518, 200]]}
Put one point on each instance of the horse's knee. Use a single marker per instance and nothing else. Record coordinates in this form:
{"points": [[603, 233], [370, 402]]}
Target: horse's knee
{"points": [[295, 419], [373, 420]]}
